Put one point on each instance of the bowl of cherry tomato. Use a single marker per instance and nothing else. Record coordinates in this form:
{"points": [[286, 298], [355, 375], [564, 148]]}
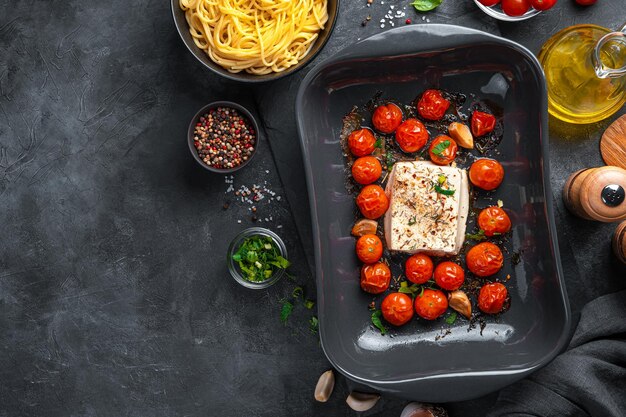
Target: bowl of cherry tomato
{"points": [[514, 10]]}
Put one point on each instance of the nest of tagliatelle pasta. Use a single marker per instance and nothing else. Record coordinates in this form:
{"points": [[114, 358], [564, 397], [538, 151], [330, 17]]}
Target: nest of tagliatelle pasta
{"points": [[258, 37]]}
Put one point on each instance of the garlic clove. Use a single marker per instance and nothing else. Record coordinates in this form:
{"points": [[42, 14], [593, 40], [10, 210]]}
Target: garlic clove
{"points": [[462, 134], [364, 227], [416, 410], [361, 401], [325, 386], [458, 301]]}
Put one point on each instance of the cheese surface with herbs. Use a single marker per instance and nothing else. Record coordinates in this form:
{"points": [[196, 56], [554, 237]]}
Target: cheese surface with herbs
{"points": [[428, 208]]}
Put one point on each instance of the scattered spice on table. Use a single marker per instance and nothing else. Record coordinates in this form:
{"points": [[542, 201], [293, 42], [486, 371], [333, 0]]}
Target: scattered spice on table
{"points": [[224, 138]]}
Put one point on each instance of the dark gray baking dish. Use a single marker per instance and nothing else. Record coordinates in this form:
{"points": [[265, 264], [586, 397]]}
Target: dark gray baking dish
{"points": [[413, 363]]}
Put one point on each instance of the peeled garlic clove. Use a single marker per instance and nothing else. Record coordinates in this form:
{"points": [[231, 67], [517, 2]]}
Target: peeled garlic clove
{"points": [[416, 410], [325, 386], [461, 134], [364, 227], [458, 301], [361, 401]]}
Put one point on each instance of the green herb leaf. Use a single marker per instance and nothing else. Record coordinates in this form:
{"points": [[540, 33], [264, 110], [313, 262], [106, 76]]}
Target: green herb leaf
{"points": [[389, 160], [451, 318], [438, 150], [377, 322], [297, 292], [314, 325], [442, 179], [378, 143], [443, 190], [285, 311], [412, 221], [476, 236], [425, 5], [309, 304], [258, 258]]}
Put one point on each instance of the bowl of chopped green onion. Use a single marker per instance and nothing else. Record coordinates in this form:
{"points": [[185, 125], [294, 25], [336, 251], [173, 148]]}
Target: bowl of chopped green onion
{"points": [[257, 258]]}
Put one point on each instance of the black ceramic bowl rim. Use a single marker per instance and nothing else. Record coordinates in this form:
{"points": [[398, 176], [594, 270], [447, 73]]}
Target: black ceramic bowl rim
{"points": [[204, 110], [201, 56]]}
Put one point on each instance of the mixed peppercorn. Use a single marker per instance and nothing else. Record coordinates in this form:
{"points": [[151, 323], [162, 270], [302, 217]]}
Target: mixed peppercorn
{"points": [[224, 138]]}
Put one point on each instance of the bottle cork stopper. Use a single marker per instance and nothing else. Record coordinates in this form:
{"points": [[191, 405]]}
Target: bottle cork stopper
{"points": [[597, 194], [619, 242]]}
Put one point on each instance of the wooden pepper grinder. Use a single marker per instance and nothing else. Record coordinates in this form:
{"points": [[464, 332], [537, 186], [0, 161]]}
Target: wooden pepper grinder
{"points": [[597, 194], [619, 242]]}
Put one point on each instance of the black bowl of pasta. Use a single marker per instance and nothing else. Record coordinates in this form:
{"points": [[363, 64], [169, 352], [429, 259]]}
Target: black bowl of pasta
{"points": [[244, 42]]}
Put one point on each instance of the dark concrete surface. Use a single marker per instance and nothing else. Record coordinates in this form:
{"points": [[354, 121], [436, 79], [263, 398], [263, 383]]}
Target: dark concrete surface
{"points": [[114, 293]]}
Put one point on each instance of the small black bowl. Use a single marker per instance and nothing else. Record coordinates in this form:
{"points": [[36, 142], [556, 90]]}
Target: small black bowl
{"points": [[206, 109], [183, 30]]}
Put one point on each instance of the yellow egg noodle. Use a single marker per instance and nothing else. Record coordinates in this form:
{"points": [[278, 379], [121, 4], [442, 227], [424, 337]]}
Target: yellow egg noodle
{"points": [[256, 36]]}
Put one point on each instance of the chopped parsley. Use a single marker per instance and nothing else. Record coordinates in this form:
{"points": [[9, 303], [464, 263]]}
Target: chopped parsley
{"points": [[451, 318], [314, 325], [438, 150], [309, 304], [377, 322], [476, 236], [389, 161], [412, 221], [297, 292], [259, 258], [285, 311], [378, 143]]}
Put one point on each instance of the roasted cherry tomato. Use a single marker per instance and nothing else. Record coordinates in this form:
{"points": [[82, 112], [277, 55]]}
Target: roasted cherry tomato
{"points": [[515, 7], [431, 304], [494, 220], [486, 174], [443, 150], [482, 123], [397, 308], [418, 268], [366, 170], [484, 259], [369, 249], [387, 118], [432, 105], [586, 2], [489, 3], [449, 276], [411, 135], [542, 5], [492, 297], [372, 201], [375, 278], [361, 142]]}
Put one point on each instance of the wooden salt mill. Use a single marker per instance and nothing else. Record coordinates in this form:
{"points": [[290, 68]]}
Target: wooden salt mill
{"points": [[619, 242], [597, 194]]}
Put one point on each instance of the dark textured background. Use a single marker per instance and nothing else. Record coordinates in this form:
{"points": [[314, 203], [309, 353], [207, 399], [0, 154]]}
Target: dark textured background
{"points": [[114, 294]]}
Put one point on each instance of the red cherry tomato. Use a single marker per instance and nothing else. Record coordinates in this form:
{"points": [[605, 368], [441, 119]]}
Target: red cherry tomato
{"points": [[411, 135], [492, 297], [432, 105], [440, 153], [484, 259], [369, 249], [515, 7], [486, 174], [482, 123], [418, 268], [375, 278], [372, 201], [397, 308], [586, 2], [387, 118], [494, 220], [489, 3], [361, 142], [431, 304], [366, 170], [542, 5], [449, 276]]}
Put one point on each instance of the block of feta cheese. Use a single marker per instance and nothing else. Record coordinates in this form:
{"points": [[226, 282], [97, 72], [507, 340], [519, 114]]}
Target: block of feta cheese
{"points": [[420, 218]]}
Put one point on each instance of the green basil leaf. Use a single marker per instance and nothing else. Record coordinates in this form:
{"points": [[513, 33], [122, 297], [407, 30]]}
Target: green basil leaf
{"points": [[377, 322], [451, 318], [425, 5]]}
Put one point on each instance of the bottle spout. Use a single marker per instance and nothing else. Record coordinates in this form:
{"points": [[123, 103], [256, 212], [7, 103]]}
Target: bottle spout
{"points": [[609, 55]]}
